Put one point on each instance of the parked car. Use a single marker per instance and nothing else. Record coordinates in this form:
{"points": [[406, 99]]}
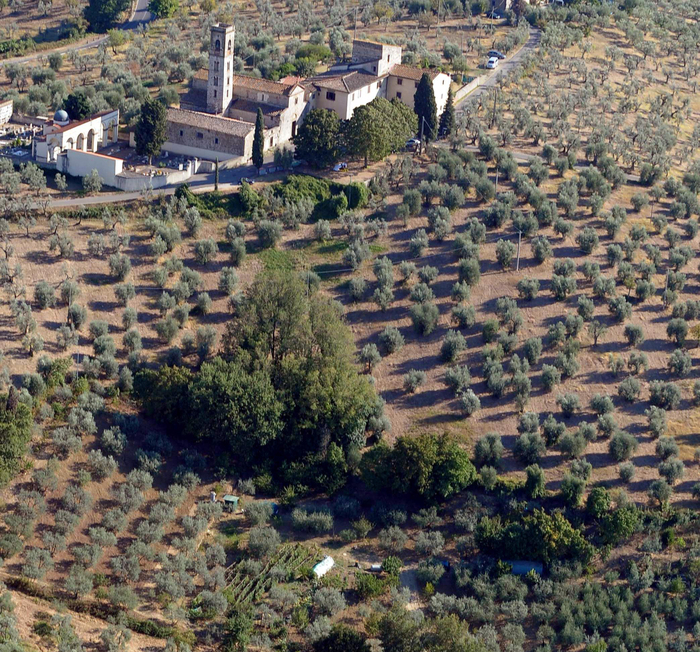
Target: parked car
{"points": [[413, 143], [340, 166], [496, 53], [492, 63], [248, 180]]}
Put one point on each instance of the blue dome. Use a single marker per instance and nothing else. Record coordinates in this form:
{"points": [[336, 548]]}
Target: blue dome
{"points": [[61, 116]]}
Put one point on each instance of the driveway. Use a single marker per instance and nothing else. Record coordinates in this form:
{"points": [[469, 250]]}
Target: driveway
{"points": [[504, 67], [139, 16]]}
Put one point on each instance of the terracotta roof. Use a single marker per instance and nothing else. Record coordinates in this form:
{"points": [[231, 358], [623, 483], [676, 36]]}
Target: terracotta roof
{"points": [[209, 122], [252, 107], [264, 85], [72, 124], [411, 72], [347, 82]]}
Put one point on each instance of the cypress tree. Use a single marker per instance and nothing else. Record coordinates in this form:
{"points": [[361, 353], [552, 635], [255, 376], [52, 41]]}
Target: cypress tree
{"points": [[150, 129], [425, 107], [447, 119], [259, 141]]}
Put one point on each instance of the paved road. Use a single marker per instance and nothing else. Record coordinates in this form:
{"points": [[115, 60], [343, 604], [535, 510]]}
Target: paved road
{"points": [[504, 67], [140, 16]]}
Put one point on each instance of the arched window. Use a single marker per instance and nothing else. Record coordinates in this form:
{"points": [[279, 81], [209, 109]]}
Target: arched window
{"points": [[229, 46], [217, 44]]}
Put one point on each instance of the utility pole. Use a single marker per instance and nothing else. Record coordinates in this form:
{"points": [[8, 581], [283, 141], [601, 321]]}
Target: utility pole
{"points": [[517, 264], [354, 32]]}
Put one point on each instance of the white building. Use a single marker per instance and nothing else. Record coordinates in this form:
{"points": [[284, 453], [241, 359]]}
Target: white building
{"points": [[6, 109], [61, 134]]}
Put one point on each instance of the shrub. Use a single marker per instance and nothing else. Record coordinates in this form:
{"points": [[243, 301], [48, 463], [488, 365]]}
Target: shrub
{"points": [[572, 444], [488, 450], [634, 334], [534, 482], [532, 350], [680, 363], [528, 288], [568, 403], [660, 491], [622, 446], [672, 470], [329, 601], [626, 471], [464, 316], [453, 344], [308, 521], [677, 331], [551, 376], [529, 447], [391, 340], [665, 395], [620, 308], [587, 240], [119, 266], [413, 380], [541, 249], [629, 389], [263, 541], [269, 233], [469, 402], [572, 489], [666, 447], [505, 251], [425, 317], [458, 378]]}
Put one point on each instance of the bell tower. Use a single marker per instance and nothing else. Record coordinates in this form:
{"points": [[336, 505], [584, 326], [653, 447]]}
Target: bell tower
{"points": [[219, 83]]}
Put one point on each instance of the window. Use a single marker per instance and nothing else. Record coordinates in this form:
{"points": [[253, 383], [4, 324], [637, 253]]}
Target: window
{"points": [[216, 141], [398, 95], [229, 46], [181, 132], [399, 81], [215, 93], [216, 65], [200, 135], [330, 95], [228, 65], [216, 81], [374, 68], [217, 44], [296, 100]]}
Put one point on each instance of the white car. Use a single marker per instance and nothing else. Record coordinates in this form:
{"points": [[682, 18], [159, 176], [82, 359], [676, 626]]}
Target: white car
{"points": [[492, 63]]}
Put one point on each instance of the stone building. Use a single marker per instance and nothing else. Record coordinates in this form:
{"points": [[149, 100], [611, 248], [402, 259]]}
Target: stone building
{"points": [[216, 118]]}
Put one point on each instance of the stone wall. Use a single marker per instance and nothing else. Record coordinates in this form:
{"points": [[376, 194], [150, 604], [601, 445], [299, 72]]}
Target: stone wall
{"points": [[221, 144]]}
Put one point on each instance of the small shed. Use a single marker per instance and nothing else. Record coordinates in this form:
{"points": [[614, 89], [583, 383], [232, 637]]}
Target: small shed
{"points": [[524, 567], [320, 569], [230, 502]]}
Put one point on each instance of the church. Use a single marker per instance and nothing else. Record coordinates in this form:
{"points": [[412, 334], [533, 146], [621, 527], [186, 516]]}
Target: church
{"points": [[216, 118]]}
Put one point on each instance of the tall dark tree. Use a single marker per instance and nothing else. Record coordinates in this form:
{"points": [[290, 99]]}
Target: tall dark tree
{"points": [[150, 129], [102, 15], [77, 105], [426, 109], [259, 141], [317, 139], [447, 119]]}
